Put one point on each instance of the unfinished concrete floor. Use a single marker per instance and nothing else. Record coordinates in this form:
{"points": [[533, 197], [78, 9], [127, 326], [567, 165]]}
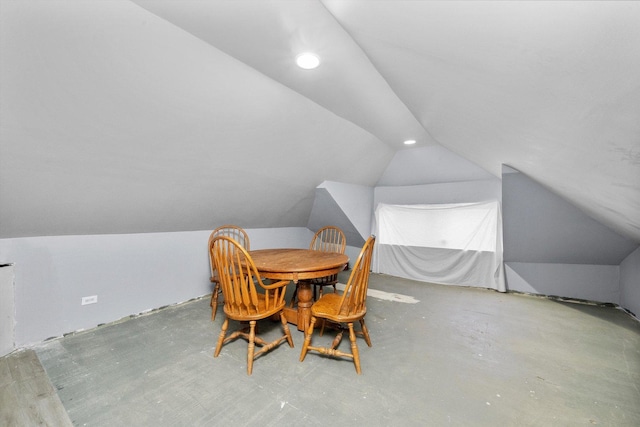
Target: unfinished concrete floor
{"points": [[458, 356]]}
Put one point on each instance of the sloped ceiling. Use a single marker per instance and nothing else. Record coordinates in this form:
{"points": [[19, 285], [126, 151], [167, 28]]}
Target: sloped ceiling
{"points": [[136, 116]]}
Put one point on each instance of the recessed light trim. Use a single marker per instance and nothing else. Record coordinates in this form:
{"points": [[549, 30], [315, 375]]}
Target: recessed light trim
{"points": [[307, 60], [410, 142]]}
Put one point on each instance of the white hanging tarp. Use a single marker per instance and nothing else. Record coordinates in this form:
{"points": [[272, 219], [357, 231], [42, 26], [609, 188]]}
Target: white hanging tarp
{"points": [[458, 244]]}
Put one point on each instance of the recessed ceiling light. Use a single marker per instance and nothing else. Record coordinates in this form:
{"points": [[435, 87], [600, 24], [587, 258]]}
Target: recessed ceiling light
{"points": [[410, 142], [307, 60]]}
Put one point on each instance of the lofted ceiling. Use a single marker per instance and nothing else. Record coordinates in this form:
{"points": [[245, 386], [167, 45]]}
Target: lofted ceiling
{"points": [[160, 115]]}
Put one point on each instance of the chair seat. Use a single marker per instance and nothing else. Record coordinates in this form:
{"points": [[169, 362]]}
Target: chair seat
{"points": [[328, 307], [262, 313]]}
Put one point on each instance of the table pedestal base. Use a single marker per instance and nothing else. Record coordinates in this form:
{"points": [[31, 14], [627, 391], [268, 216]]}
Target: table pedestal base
{"points": [[301, 315]]}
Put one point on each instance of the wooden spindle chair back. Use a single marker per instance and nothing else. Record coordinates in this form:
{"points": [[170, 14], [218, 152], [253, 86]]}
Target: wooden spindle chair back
{"points": [[246, 297], [342, 309], [240, 281], [329, 239], [354, 297], [239, 235]]}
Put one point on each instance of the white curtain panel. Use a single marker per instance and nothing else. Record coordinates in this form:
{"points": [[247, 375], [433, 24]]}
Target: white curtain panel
{"points": [[458, 244]]}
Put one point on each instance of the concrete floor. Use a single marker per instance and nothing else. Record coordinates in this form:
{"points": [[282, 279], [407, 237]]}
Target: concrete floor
{"points": [[457, 356]]}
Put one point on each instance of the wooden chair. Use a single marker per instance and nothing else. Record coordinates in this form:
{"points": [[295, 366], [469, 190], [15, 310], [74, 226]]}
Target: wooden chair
{"points": [[239, 235], [327, 239], [246, 298], [344, 309]]}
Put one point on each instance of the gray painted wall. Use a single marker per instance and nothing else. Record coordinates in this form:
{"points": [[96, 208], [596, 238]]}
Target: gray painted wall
{"points": [[7, 310], [553, 248], [346, 206], [541, 227], [130, 274], [356, 201], [580, 281], [630, 283]]}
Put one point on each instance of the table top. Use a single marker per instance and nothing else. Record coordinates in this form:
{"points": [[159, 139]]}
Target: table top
{"points": [[297, 264]]}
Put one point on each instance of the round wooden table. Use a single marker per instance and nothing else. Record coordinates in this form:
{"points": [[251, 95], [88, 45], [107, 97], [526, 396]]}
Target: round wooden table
{"points": [[299, 266]]}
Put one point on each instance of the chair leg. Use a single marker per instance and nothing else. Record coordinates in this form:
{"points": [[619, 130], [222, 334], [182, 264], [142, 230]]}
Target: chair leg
{"points": [[214, 301], [252, 346], [223, 333], [354, 347], [285, 326], [365, 332], [307, 338]]}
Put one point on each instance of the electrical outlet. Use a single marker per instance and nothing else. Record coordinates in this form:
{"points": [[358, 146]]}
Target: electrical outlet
{"points": [[90, 300]]}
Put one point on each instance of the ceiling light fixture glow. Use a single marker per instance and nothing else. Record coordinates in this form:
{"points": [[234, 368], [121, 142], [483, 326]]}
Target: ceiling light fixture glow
{"points": [[410, 142], [307, 60]]}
